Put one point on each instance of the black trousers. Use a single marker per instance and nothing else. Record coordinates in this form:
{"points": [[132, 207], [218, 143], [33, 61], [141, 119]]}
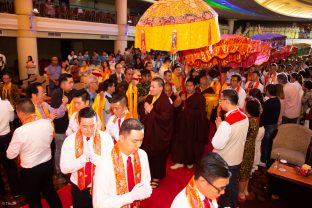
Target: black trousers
{"points": [[38, 180], [81, 199], [158, 165], [229, 198], [9, 167]]}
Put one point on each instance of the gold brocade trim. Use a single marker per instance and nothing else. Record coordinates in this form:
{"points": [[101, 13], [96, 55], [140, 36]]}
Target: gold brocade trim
{"points": [[192, 195], [120, 172], [79, 152]]}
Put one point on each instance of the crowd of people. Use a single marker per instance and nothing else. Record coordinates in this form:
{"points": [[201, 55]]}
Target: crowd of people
{"points": [[136, 111]]}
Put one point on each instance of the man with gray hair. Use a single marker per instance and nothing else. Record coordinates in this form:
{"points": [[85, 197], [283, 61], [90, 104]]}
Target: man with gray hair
{"points": [[54, 72], [92, 87], [292, 100]]}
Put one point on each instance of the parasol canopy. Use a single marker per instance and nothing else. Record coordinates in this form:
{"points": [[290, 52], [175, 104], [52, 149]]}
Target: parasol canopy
{"points": [[177, 25], [277, 41], [232, 50]]}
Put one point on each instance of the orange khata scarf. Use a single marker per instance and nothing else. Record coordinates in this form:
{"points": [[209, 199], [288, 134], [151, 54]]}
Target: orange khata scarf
{"points": [[250, 85], [192, 195], [132, 95], [79, 152], [270, 79], [120, 173], [127, 115], [224, 86], [6, 91], [238, 89], [106, 73], [31, 118], [98, 106]]}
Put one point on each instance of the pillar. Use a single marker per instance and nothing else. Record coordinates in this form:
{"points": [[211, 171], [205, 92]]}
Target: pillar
{"points": [[122, 20], [231, 23], [26, 35]]}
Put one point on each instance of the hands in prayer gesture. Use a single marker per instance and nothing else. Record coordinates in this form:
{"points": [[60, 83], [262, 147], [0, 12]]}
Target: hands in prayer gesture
{"points": [[148, 107]]}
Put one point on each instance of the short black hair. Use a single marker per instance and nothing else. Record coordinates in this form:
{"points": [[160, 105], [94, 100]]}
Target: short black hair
{"points": [[160, 81], [83, 94], [175, 66], [256, 93], [167, 59], [145, 72], [7, 73], [231, 95], [107, 83], [192, 80], [213, 73], [211, 167], [253, 106], [282, 78], [256, 72], [32, 89], [130, 124], [202, 73], [239, 77], [271, 89], [146, 63], [307, 84], [166, 72], [119, 97], [64, 77], [86, 112], [25, 105], [117, 64]]}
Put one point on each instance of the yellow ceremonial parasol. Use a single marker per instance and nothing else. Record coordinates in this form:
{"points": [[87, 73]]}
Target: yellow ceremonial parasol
{"points": [[177, 25]]}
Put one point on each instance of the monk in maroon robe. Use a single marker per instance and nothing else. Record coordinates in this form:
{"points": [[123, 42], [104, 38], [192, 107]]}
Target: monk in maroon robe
{"points": [[158, 129], [191, 128]]}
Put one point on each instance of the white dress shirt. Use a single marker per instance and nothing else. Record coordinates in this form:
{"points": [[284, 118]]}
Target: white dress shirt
{"points": [[70, 164], [241, 97], [112, 127], [181, 201], [73, 125], [104, 189], [7, 115], [260, 86], [32, 142]]}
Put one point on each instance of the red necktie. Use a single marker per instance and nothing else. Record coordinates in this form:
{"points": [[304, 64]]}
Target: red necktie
{"points": [[88, 171], [207, 202], [130, 175], [119, 123]]}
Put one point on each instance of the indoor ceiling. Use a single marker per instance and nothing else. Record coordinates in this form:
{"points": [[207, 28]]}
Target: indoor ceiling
{"points": [[265, 10]]}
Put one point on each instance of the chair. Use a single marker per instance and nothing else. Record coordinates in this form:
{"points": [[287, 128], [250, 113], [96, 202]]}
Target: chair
{"points": [[291, 142]]}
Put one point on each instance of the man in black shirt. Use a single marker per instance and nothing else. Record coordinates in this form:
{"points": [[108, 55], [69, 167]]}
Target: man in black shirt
{"points": [[60, 124], [269, 120]]}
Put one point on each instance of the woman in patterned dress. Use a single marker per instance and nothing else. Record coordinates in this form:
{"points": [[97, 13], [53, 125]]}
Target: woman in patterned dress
{"points": [[252, 109]]}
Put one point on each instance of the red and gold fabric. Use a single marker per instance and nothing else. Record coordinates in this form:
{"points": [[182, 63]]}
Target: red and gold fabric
{"points": [[79, 147], [177, 25], [120, 172], [193, 196]]}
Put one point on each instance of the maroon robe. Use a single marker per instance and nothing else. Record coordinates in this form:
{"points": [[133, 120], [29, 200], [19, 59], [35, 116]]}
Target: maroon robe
{"points": [[158, 129], [191, 131], [208, 90]]}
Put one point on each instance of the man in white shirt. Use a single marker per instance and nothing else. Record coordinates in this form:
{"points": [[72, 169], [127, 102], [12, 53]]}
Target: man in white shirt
{"points": [[235, 84], [229, 142], [81, 100], [32, 143], [109, 89], [123, 178], [165, 67], [254, 83], [7, 116], [80, 154], [118, 105], [210, 178]]}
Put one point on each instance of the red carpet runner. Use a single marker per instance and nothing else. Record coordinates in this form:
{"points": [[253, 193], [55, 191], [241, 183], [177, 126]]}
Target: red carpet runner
{"points": [[162, 197]]}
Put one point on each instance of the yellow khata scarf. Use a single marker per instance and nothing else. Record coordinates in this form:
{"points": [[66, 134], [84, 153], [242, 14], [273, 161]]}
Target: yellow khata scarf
{"points": [[176, 81], [132, 95], [98, 106], [79, 152], [212, 101], [6, 91], [216, 86], [71, 108], [155, 98], [192, 195], [120, 173], [45, 111]]}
